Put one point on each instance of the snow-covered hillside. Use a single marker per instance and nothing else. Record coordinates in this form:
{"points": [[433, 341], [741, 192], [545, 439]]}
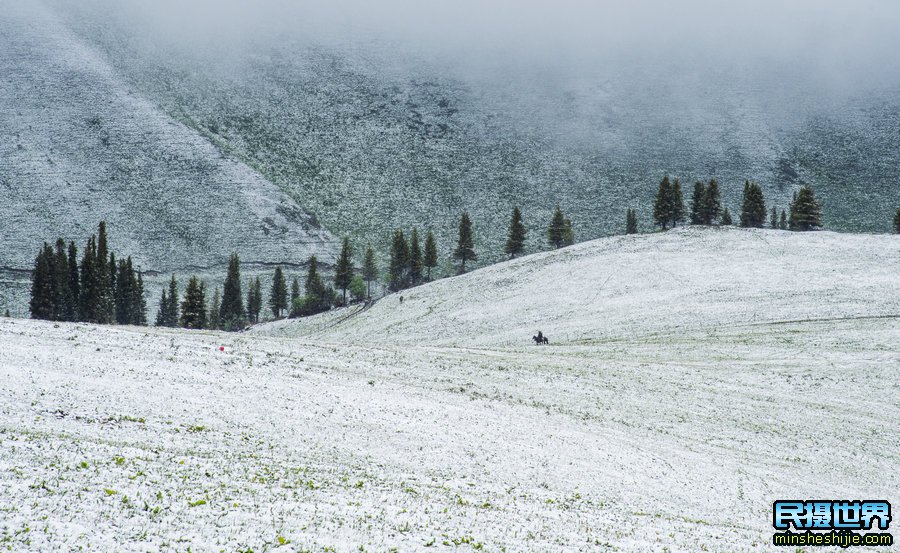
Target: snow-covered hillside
{"points": [[79, 145], [606, 289], [698, 394]]}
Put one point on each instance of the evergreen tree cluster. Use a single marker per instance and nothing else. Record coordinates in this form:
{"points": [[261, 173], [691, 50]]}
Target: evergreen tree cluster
{"points": [[98, 290], [669, 205], [706, 203], [753, 206], [805, 211], [409, 265]]}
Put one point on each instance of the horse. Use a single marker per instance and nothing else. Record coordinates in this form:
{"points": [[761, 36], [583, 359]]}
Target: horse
{"points": [[541, 340]]}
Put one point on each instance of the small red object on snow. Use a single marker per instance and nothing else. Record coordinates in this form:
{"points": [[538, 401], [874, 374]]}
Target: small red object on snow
{"points": [[221, 348]]}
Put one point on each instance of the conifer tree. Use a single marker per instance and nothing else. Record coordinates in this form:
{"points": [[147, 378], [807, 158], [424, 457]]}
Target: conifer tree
{"points": [[212, 315], [805, 211], [295, 290], [712, 205], [370, 270], [90, 297], [358, 288], [662, 207], [343, 271], [415, 258], [753, 206], [172, 307], [74, 284], [43, 279], [162, 310], [63, 307], [231, 313], [556, 232], [515, 241], [897, 221], [773, 218], [431, 255], [124, 294], [138, 302], [726, 218], [193, 307], [318, 297], [783, 224], [698, 201], [254, 300], [676, 204], [399, 262], [104, 312], [278, 298], [631, 222], [465, 244]]}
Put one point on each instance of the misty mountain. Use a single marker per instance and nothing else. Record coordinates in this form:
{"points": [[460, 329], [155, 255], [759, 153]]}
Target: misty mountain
{"points": [[364, 135]]}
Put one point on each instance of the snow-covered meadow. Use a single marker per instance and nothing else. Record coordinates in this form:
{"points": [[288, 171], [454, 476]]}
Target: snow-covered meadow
{"points": [[669, 423]]}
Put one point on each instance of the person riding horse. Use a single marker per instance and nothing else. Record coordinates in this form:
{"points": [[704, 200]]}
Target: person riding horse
{"points": [[540, 338]]}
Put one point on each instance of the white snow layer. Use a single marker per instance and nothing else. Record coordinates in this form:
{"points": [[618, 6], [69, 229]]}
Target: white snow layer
{"points": [[713, 372]]}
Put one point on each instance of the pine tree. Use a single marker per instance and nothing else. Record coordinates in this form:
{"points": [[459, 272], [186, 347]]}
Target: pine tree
{"points": [[138, 302], [783, 224], [556, 232], [515, 241], [465, 244], [897, 221], [399, 262], [415, 258], [805, 211], [370, 270], [753, 206], [89, 298], [42, 285], [726, 218], [213, 314], [662, 207], [105, 308], [773, 218], [295, 290], [676, 204], [172, 307], [231, 313], [358, 288], [254, 300], [343, 271], [631, 222], [162, 310], [712, 205], [124, 293], [63, 294], [431, 255], [193, 307], [278, 298], [698, 201], [318, 297], [74, 284]]}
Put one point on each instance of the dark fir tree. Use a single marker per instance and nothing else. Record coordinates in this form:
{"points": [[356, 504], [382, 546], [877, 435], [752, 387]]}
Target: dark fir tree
{"points": [[556, 232], [726, 218], [343, 271], [105, 309], [63, 308], [676, 204], [753, 206], [399, 262], [465, 243], [805, 211], [712, 205], [897, 221], [231, 313], [370, 270], [193, 306], [212, 314], [662, 207], [295, 290], [90, 296], [162, 309], [138, 302], [431, 255], [416, 263], [74, 284], [318, 297], [515, 240], [782, 223], [254, 300], [278, 296], [698, 201], [773, 218], [172, 307], [43, 279], [124, 293], [631, 222]]}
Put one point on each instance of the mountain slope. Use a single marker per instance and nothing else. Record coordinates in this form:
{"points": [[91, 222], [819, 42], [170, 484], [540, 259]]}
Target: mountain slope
{"points": [[78, 144], [688, 279]]}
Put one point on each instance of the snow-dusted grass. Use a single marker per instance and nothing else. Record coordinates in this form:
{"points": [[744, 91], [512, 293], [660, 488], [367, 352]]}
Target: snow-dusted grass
{"points": [[662, 439]]}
